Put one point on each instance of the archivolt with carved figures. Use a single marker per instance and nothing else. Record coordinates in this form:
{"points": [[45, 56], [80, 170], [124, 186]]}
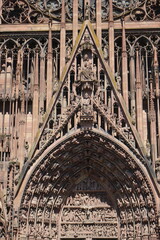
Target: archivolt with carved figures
{"points": [[75, 190], [3, 217]]}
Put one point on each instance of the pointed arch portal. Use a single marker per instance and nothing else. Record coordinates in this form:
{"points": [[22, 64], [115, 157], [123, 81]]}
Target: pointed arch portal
{"points": [[87, 185]]}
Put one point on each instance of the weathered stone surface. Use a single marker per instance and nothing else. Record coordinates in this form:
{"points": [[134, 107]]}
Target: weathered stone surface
{"points": [[79, 120]]}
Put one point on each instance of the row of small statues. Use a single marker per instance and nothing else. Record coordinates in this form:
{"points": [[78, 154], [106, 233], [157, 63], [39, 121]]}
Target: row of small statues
{"points": [[88, 214], [109, 230]]}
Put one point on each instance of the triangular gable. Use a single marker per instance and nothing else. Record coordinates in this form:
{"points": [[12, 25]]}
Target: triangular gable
{"points": [[56, 95], [87, 26]]}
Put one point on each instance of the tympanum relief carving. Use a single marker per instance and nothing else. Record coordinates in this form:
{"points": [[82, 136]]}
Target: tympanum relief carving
{"points": [[87, 212]]}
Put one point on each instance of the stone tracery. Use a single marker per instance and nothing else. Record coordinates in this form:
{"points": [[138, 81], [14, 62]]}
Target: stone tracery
{"points": [[35, 12], [87, 104]]}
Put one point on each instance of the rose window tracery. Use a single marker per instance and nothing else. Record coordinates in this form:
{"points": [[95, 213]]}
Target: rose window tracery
{"points": [[153, 9], [15, 11], [121, 7], [31, 11], [49, 6]]}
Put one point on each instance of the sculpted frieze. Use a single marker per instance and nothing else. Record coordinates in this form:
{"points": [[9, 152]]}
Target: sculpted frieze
{"points": [[86, 210], [89, 230], [87, 199], [89, 215]]}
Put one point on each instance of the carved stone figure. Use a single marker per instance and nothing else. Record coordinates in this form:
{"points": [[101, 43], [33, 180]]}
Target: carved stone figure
{"points": [[86, 109], [87, 11]]}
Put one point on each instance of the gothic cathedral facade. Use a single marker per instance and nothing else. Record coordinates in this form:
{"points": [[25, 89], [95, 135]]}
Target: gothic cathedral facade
{"points": [[79, 119]]}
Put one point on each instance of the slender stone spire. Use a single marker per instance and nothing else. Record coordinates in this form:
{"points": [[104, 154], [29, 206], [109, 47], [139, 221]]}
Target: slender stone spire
{"points": [[111, 36], [156, 78], [35, 97], [62, 39], [0, 10], [152, 118], [42, 82], [49, 65], [98, 19], [75, 20], [156, 72], [139, 97], [132, 82], [18, 72], [22, 126], [124, 65]]}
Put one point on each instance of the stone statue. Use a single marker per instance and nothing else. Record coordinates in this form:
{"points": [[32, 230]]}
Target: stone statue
{"points": [[87, 12], [105, 51], [86, 109]]}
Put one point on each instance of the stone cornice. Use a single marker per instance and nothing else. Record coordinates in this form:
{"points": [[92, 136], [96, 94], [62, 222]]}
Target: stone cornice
{"points": [[57, 26]]}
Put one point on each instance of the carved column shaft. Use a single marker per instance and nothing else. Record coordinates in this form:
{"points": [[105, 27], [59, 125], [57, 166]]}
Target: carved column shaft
{"points": [[139, 109], [35, 98], [152, 116], [132, 81], [0, 10], [143, 73], [111, 36], [15, 131], [49, 67], [42, 80], [75, 28], [156, 76], [4, 95], [21, 142], [10, 197], [75, 20], [18, 73], [124, 66], [12, 140], [98, 19], [62, 39], [22, 132]]}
